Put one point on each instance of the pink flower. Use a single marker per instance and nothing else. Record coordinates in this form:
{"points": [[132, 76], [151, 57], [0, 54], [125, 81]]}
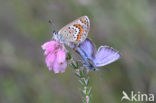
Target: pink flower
{"points": [[55, 56]]}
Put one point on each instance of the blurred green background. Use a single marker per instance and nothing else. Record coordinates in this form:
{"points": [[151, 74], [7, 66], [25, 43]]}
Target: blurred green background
{"points": [[127, 25]]}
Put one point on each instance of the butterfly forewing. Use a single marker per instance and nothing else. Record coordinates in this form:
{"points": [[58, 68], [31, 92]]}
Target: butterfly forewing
{"points": [[106, 55], [76, 31]]}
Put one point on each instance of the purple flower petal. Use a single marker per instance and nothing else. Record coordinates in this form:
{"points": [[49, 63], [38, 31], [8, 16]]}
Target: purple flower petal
{"points": [[49, 44], [49, 49], [60, 63], [50, 60], [56, 56]]}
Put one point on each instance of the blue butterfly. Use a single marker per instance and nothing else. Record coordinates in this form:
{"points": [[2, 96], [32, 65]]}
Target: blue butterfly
{"points": [[92, 59]]}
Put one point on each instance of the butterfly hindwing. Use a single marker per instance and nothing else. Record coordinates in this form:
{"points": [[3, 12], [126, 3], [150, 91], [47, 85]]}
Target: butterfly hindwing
{"points": [[76, 31], [105, 55]]}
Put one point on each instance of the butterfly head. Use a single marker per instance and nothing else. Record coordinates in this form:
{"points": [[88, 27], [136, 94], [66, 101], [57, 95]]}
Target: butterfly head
{"points": [[55, 36]]}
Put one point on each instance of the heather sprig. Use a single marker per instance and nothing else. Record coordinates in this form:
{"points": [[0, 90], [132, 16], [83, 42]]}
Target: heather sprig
{"points": [[83, 76]]}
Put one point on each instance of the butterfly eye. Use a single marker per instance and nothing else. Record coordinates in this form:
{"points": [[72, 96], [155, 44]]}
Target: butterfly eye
{"points": [[55, 37], [54, 32]]}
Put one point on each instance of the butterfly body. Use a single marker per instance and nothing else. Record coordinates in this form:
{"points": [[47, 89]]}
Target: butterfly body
{"points": [[74, 32], [92, 59]]}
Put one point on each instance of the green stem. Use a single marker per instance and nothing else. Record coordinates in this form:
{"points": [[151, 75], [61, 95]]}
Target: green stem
{"points": [[82, 74], [84, 81]]}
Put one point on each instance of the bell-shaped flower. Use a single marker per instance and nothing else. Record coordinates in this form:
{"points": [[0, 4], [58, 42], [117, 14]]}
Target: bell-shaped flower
{"points": [[55, 53]]}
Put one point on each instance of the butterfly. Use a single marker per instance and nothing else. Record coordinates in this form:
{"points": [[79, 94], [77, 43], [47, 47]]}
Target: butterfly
{"points": [[73, 33], [92, 59]]}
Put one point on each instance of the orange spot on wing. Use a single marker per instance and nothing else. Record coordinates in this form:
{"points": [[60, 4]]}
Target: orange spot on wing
{"points": [[80, 33]]}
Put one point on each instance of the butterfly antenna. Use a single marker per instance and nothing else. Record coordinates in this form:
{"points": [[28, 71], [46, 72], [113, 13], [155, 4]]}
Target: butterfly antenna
{"points": [[53, 25]]}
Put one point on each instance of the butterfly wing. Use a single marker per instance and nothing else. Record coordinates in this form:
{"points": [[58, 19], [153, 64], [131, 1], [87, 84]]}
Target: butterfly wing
{"points": [[87, 51], [76, 31], [88, 48], [105, 55]]}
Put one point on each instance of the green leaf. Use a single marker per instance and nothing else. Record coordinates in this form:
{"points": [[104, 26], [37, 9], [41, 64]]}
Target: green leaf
{"points": [[86, 82], [77, 74], [89, 91], [81, 82], [68, 57], [73, 65]]}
